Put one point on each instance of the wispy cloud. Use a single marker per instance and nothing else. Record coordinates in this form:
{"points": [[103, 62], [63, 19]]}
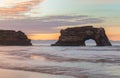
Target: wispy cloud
{"points": [[48, 24], [18, 8]]}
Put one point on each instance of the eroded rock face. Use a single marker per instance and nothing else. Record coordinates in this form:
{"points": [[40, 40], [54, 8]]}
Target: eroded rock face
{"points": [[78, 35], [10, 37]]}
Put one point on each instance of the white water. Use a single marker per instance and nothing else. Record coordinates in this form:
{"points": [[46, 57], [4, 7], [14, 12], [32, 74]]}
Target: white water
{"points": [[63, 62]]}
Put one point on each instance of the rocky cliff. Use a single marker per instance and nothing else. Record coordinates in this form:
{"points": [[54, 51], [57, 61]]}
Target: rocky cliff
{"points": [[78, 35], [10, 37]]}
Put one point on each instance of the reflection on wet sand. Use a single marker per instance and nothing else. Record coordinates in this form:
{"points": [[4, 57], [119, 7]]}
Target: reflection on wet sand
{"points": [[35, 57]]}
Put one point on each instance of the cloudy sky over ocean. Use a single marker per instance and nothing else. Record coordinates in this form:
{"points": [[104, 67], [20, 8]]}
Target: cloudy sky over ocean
{"points": [[43, 19]]}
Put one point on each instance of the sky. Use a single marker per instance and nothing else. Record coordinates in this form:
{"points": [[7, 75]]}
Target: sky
{"points": [[43, 19]]}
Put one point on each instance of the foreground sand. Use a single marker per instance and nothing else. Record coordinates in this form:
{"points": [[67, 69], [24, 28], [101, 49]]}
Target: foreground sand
{"points": [[5, 73]]}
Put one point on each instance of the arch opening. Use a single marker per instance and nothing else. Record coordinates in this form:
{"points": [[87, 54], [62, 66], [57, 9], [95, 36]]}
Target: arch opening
{"points": [[90, 42]]}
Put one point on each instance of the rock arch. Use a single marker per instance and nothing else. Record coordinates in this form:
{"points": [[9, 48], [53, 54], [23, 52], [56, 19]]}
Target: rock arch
{"points": [[78, 35]]}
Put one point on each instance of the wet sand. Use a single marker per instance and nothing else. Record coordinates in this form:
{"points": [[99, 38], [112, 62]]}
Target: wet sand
{"points": [[5, 73]]}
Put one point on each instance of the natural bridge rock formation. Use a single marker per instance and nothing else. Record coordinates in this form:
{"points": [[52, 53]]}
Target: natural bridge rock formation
{"points": [[78, 35], [10, 37]]}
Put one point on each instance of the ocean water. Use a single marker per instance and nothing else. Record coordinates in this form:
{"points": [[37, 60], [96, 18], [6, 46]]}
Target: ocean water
{"points": [[45, 61]]}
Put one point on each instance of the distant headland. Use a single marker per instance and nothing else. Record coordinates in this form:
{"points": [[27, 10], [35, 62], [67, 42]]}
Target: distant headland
{"points": [[14, 38], [77, 36]]}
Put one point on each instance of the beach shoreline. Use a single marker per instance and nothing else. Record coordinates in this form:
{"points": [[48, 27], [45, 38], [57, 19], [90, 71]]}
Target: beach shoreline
{"points": [[9, 73]]}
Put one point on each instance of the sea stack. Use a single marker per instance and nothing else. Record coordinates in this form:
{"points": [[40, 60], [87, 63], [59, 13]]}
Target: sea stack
{"points": [[77, 36], [13, 38]]}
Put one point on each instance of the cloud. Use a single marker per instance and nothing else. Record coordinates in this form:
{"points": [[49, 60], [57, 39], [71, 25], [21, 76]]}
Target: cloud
{"points": [[18, 8], [48, 24]]}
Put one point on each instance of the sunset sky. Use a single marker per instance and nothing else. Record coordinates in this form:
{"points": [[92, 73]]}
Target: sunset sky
{"points": [[43, 19]]}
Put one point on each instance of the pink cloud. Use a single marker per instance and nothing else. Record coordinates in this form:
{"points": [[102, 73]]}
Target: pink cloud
{"points": [[19, 8]]}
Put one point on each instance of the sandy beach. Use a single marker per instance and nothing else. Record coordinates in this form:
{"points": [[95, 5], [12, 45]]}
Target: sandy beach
{"points": [[5, 73]]}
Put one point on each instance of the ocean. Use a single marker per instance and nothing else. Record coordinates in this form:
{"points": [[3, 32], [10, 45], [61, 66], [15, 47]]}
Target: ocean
{"points": [[44, 61]]}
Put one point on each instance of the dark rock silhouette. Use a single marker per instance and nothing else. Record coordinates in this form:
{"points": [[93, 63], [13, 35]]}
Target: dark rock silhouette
{"points": [[10, 37], [78, 35]]}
